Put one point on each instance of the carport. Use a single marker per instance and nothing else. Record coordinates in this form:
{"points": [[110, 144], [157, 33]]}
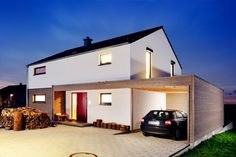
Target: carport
{"points": [[201, 100]]}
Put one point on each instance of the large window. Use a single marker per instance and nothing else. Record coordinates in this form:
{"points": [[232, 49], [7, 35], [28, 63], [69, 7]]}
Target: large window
{"points": [[105, 99], [105, 58], [40, 70], [149, 63], [39, 98]]}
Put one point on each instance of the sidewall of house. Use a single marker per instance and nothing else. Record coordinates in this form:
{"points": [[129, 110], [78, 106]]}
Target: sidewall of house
{"points": [[44, 107], [145, 101], [161, 56], [119, 111]]}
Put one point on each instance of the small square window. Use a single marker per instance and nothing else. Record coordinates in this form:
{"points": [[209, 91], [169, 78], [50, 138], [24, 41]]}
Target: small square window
{"points": [[39, 98], [105, 98], [105, 58], [40, 70]]}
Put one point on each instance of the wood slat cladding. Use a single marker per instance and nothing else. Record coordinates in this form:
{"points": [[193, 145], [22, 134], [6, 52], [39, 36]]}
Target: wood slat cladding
{"points": [[208, 108], [145, 83], [44, 107]]}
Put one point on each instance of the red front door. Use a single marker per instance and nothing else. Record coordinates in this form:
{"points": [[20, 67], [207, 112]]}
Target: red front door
{"points": [[82, 107], [79, 106]]}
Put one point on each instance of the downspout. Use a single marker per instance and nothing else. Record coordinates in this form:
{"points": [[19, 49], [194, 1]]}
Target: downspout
{"points": [[52, 103], [27, 90]]}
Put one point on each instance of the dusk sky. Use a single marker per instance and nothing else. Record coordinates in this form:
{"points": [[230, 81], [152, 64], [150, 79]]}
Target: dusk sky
{"points": [[203, 32]]}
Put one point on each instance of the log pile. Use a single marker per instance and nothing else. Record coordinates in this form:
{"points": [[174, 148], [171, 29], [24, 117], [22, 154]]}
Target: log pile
{"points": [[24, 118]]}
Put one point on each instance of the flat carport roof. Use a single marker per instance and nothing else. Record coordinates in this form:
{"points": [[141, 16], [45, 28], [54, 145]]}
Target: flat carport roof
{"points": [[167, 84], [138, 84]]}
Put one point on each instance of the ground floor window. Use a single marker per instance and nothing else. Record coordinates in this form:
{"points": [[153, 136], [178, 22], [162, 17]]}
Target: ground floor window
{"points": [[105, 99], [39, 98]]}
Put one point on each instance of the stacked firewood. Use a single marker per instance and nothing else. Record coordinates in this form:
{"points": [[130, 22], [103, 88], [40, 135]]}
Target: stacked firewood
{"points": [[37, 121], [31, 118]]}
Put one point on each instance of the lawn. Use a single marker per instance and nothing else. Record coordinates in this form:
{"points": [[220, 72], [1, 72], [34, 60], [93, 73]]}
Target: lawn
{"points": [[221, 145]]}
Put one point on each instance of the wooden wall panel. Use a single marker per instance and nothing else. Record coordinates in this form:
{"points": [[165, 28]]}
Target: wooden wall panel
{"points": [[44, 107], [208, 108], [59, 102]]}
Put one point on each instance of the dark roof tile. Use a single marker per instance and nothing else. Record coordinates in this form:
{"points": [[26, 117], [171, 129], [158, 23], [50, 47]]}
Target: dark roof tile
{"points": [[110, 42]]}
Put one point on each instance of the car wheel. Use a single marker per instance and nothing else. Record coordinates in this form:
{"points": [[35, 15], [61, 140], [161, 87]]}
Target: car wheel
{"points": [[177, 134], [145, 134]]}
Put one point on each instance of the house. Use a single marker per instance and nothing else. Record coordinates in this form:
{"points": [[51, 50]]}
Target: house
{"points": [[13, 96], [120, 80]]}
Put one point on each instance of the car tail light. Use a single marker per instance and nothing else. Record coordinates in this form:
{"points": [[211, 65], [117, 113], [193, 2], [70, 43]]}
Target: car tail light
{"points": [[167, 122], [142, 120]]}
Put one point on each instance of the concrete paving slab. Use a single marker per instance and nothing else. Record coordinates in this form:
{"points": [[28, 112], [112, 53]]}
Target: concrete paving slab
{"points": [[62, 141]]}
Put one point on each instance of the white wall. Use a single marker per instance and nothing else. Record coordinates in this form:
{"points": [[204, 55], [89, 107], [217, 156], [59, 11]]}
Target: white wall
{"points": [[119, 111], [178, 101], [162, 55], [83, 68], [145, 101]]}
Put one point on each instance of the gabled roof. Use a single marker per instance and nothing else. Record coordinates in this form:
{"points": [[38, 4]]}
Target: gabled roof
{"points": [[110, 42]]}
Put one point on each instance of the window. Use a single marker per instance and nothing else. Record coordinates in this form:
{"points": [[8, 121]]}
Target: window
{"points": [[74, 106], [105, 98], [40, 70], [172, 68], [148, 63], [179, 115], [105, 58], [41, 98]]}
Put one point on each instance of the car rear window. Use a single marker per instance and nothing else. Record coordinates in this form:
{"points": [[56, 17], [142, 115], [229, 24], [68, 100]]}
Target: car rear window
{"points": [[160, 114]]}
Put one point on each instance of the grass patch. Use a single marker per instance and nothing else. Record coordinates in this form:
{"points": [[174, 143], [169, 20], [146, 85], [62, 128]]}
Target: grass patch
{"points": [[221, 145]]}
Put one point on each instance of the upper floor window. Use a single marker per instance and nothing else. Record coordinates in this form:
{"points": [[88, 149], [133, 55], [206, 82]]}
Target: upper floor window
{"points": [[105, 98], [105, 58], [39, 98], [40, 70], [149, 63], [172, 68]]}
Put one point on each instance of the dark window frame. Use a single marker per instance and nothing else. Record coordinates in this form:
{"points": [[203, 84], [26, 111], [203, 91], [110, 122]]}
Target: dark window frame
{"points": [[34, 101], [102, 103], [172, 73], [35, 69]]}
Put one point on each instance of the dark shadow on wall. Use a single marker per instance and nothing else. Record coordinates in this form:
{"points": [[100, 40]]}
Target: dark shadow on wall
{"points": [[230, 114]]}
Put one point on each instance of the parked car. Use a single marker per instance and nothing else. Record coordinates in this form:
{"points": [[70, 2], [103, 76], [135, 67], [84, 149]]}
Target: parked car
{"points": [[165, 122]]}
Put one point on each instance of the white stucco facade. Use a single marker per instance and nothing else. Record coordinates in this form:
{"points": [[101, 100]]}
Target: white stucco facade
{"points": [[119, 111], [161, 56], [83, 68], [128, 62]]}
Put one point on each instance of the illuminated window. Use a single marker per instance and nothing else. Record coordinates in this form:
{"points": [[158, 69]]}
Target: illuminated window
{"points": [[74, 106], [40, 70], [39, 98], [105, 58], [105, 98], [149, 63], [172, 68]]}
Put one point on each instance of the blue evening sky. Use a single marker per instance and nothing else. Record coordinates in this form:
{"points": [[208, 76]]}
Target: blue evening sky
{"points": [[203, 32]]}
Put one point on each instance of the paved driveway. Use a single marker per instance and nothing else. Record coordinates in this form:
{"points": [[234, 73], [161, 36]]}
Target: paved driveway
{"points": [[61, 141]]}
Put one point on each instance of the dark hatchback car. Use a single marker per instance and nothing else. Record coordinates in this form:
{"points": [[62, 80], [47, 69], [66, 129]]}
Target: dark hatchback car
{"points": [[165, 122]]}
